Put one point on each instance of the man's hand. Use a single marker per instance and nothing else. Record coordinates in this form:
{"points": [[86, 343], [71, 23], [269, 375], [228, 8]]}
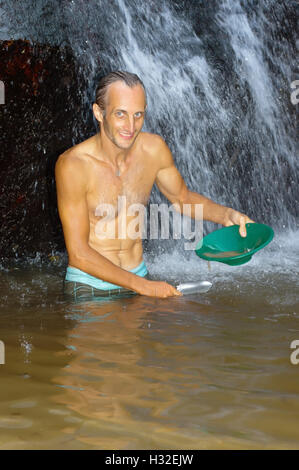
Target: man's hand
{"points": [[158, 289], [233, 217]]}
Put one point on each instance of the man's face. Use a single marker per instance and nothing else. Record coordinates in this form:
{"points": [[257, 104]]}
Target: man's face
{"points": [[124, 114]]}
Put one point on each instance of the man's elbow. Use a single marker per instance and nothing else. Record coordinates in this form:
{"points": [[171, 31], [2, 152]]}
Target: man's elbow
{"points": [[179, 200], [183, 197], [78, 255]]}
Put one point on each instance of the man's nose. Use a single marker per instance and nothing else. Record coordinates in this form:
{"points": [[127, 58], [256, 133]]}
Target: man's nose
{"points": [[130, 124]]}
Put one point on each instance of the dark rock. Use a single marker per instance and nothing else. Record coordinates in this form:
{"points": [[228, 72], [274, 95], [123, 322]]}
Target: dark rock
{"points": [[42, 99]]}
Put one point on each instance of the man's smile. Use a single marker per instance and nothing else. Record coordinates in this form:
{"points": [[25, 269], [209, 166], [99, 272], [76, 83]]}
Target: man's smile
{"points": [[126, 136]]}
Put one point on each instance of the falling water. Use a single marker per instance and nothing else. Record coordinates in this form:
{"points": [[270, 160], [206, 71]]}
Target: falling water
{"points": [[218, 84], [231, 131]]}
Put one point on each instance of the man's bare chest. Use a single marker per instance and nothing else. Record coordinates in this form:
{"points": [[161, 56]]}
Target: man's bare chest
{"points": [[133, 186]]}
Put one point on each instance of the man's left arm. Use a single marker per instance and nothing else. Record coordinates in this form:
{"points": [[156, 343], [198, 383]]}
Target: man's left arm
{"points": [[172, 185]]}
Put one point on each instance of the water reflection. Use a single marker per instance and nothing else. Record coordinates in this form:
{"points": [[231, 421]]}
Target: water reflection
{"points": [[201, 371], [112, 378]]}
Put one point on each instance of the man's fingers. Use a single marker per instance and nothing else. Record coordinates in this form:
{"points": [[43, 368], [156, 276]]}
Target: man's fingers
{"points": [[163, 290], [243, 222], [242, 229], [177, 292], [174, 291]]}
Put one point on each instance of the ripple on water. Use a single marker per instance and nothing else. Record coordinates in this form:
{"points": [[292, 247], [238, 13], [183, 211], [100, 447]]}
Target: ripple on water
{"points": [[54, 411], [23, 404], [15, 423]]}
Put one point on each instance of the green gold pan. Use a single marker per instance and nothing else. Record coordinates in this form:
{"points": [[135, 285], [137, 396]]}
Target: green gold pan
{"points": [[227, 246]]}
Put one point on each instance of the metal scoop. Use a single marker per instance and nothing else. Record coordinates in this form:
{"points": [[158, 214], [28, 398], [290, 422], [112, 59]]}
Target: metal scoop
{"points": [[194, 287]]}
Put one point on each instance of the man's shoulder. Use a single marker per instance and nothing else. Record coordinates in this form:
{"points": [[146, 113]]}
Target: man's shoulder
{"points": [[152, 142], [73, 159], [155, 146]]}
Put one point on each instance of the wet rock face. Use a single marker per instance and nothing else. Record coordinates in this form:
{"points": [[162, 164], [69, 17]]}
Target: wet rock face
{"points": [[38, 120]]}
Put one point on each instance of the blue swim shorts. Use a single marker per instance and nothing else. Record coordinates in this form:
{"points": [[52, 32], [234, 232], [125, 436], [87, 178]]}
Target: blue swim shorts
{"points": [[80, 284]]}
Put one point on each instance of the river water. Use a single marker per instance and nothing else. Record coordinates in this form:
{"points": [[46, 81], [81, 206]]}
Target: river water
{"points": [[201, 371]]}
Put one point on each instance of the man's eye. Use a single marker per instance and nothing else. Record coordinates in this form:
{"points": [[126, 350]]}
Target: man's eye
{"points": [[138, 115], [119, 114]]}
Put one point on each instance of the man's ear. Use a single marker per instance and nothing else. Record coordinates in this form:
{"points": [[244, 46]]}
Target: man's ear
{"points": [[98, 114]]}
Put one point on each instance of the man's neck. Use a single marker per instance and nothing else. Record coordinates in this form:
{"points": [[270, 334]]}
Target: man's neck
{"points": [[109, 151]]}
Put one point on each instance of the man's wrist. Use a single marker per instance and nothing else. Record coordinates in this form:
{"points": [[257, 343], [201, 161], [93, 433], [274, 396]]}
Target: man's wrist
{"points": [[137, 282], [226, 216]]}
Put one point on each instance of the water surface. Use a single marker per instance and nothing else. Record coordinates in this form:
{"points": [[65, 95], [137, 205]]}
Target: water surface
{"points": [[200, 371]]}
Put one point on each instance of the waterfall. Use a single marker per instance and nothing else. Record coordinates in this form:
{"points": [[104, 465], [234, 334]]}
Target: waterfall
{"points": [[218, 79], [230, 126]]}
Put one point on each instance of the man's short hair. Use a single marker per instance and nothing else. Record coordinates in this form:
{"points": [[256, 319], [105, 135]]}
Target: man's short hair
{"points": [[130, 79]]}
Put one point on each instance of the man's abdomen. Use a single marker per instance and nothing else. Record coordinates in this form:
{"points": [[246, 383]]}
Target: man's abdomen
{"points": [[124, 253]]}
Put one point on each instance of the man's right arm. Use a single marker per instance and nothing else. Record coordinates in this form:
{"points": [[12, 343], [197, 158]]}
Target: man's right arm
{"points": [[71, 174]]}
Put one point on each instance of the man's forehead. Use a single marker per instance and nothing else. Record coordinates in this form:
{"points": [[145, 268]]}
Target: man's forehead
{"points": [[119, 94]]}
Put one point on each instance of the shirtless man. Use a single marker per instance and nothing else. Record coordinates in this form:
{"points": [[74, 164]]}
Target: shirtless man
{"points": [[120, 161]]}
